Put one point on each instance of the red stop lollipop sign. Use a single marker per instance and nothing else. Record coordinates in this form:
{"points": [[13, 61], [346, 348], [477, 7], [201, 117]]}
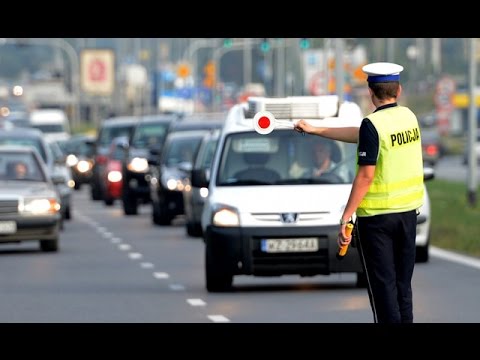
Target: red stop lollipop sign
{"points": [[264, 122]]}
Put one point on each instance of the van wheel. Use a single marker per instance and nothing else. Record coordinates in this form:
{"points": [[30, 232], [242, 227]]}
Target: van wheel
{"points": [[421, 254], [49, 245], [217, 279], [193, 229]]}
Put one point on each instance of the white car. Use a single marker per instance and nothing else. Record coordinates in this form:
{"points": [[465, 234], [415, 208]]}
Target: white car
{"points": [[259, 217]]}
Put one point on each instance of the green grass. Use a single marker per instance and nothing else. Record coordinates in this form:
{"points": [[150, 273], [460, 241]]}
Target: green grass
{"points": [[455, 223]]}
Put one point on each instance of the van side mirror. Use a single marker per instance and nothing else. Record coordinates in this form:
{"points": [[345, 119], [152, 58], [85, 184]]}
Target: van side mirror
{"points": [[199, 178], [428, 173]]}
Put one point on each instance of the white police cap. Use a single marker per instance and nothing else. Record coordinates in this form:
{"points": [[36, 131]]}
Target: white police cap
{"points": [[382, 72]]}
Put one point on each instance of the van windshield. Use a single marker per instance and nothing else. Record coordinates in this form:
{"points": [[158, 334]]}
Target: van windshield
{"points": [[285, 157]]}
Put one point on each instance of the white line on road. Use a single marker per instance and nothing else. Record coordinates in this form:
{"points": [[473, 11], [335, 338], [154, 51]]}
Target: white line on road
{"points": [[160, 275], [218, 318], [124, 247], [107, 234], [450, 256], [115, 240], [196, 302], [176, 287], [146, 265], [135, 256]]}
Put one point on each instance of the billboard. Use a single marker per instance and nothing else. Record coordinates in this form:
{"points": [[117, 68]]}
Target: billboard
{"points": [[97, 71]]}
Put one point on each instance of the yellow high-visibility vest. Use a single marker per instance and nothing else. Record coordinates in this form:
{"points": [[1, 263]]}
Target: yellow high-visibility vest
{"points": [[398, 181]]}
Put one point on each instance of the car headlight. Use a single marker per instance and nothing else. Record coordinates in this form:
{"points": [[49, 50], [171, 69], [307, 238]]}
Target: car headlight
{"points": [[138, 164], [39, 206], [225, 216], [173, 183], [83, 166], [71, 160]]}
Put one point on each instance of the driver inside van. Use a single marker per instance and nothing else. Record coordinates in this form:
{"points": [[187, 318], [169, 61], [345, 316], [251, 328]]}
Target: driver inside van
{"points": [[321, 162]]}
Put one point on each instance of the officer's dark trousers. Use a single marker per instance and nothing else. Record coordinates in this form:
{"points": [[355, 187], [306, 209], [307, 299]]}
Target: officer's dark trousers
{"points": [[386, 244]]}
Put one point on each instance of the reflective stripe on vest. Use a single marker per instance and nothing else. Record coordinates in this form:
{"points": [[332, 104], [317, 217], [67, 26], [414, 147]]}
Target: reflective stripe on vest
{"points": [[398, 181]]}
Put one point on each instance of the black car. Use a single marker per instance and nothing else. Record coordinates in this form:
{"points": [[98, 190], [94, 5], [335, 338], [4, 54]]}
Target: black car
{"points": [[169, 174], [109, 129], [79, 157], [149, 134]]}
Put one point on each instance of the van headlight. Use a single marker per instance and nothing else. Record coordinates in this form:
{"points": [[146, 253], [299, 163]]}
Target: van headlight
{"points": [[138, 164], [225, 216], [39, 206]]}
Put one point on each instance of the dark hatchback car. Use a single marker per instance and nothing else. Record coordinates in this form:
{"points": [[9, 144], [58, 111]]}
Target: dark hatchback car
{"points": [[169, 173], [109, 129], [79, 157], [148, 135], [29, 201]]}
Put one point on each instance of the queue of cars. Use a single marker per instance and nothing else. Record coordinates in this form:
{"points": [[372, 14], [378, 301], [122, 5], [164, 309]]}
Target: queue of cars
{"points": [[208, 169]]}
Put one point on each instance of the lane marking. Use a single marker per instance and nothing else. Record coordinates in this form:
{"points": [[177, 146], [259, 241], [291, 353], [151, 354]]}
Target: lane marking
{"points": [[124, 247], [160, 275], [115, 240], [196, 302], [218, 318], [176, 287], [135, 256], [458, 258], [147, 265]]}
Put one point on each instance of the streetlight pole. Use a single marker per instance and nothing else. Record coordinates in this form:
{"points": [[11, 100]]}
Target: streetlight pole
{"points": [[472, 124], [75, 70]]}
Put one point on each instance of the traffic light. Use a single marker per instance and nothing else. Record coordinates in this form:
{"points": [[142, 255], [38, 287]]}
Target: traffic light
{"points": [[227, 42], [265, 45], [209, 71], [304, 43]]}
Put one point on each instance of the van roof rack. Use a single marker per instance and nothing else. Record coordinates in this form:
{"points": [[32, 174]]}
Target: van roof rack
{"points": [[295, 107]]}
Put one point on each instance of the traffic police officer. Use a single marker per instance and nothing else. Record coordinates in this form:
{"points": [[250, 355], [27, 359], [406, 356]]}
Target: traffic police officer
{"points": [[386, 193]]}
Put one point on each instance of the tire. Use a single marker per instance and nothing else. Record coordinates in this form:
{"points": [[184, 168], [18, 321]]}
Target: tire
{"points": [[130, 206], [422, 254], [193, 229], [49, 245], [217, 279], [108, 201], [96, 192]]}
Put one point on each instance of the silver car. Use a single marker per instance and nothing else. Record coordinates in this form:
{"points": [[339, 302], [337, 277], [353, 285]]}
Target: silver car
{"points": [[29, 201]]}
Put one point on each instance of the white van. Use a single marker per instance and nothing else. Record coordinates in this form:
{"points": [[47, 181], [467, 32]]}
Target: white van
{"points": [[263, 216], [52, 122]]}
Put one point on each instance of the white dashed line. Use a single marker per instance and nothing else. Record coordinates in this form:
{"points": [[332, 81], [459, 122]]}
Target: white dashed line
{"points": [[101, 229], [196, 302], [161, 275], [176, 287], [107, 234], [115, 240], [218, 318], [135, 256], [124, 247], [146, 265]]}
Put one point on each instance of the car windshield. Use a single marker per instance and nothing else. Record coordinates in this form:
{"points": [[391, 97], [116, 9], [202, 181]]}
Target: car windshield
{"points": [[107, 134], [285, 157], [25, 141], [181, 150], [21, 166], [148, 135]]}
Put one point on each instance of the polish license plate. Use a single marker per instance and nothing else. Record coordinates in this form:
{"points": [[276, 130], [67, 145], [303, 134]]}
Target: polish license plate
{"points": [[289, 245], [8, 227]]}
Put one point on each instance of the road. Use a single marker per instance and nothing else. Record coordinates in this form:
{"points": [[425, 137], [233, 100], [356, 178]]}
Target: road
{"points": [[117, 269]]}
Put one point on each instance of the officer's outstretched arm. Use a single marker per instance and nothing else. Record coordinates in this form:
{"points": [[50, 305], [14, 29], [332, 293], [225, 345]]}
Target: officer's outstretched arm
{"points": [[345, 134]]}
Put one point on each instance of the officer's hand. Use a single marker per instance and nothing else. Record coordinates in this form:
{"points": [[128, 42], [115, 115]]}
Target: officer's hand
{"points": [[302, 126], [342, 238]]}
